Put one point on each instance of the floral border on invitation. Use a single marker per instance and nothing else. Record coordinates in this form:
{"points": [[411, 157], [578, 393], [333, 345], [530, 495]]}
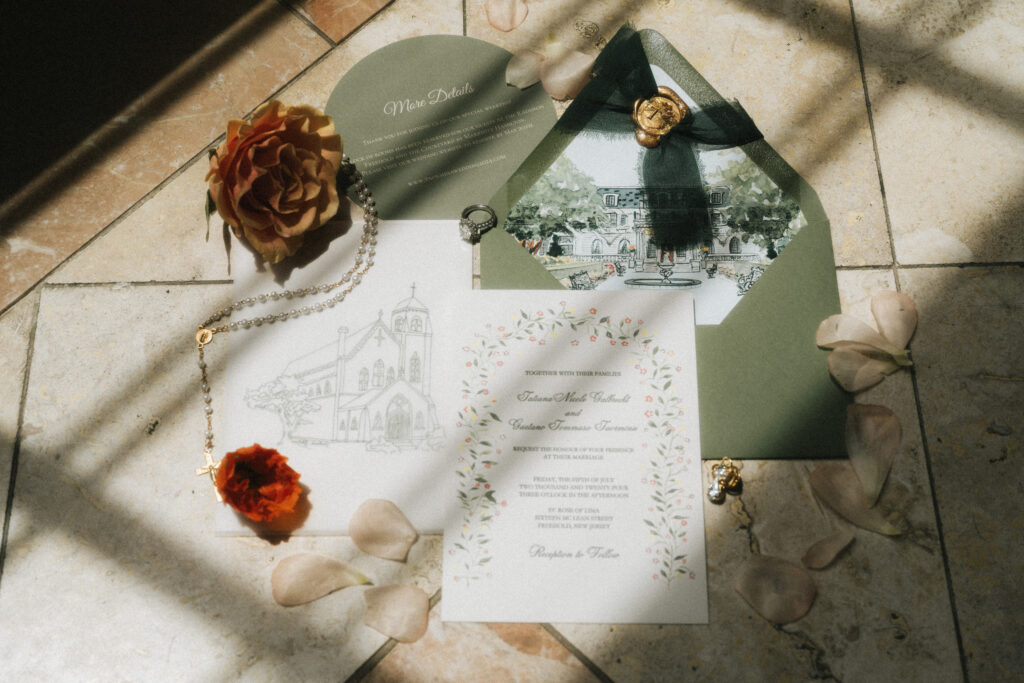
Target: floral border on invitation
{"points": [[666, 515]]}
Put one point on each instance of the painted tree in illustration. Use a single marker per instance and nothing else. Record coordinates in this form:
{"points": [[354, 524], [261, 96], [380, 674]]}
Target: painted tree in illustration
{"points": [[564, 196], [285, 398], [759, 207]]}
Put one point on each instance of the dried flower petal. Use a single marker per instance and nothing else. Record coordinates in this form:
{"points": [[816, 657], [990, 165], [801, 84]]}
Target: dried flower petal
{"points": [[855, 372], [258, 482], [840, 330], [873, 436], [896, 316], [862, 357], [837, 485], [564, 75], [399, 612], [505, 15], [303, 578], [777, 589], [523, 69], [822, 553], [378, 527]]}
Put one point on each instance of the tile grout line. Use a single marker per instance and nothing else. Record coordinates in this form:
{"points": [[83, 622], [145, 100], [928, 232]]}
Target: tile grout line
{"points": [[133, 283], [16, 450], [938, 523], [874, 142], [308, 21], [936, 266], [577, 653], [895, 268], [965, 264], [869, 266]]}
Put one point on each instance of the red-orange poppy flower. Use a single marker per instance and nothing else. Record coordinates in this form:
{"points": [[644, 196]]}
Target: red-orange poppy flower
{"points": [[258, 482]]}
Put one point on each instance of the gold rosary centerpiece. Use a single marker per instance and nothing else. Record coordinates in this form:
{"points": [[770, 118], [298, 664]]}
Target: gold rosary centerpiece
{"points": [[657, 115]]}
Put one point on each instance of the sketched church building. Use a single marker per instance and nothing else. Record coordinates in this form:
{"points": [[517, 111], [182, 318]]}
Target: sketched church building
{"points": [[372, 385]]}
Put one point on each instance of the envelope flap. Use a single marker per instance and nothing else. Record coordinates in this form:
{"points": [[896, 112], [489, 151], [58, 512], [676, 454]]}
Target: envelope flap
{"points": [[765, 390]]}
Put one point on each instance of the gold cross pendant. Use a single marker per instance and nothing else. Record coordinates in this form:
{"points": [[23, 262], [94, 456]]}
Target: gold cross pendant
{"points": [[210, 468]]}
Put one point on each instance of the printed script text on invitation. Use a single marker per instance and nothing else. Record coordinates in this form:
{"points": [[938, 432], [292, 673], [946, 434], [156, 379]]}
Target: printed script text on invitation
{"points": [[577, 462]]}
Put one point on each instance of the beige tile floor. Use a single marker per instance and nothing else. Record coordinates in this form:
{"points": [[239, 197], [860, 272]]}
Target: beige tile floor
{"points": [[907, 118]]}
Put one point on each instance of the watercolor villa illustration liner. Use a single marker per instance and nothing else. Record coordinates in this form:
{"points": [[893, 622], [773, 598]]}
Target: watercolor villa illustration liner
{"points": [[591, 228], [667, 506], [370, 386]]}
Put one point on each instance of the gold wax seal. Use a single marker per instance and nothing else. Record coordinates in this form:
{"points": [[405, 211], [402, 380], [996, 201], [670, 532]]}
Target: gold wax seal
{"points": [[656, 116]]}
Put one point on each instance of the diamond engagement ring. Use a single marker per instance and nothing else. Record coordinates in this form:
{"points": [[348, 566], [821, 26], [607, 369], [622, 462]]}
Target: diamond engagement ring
{"points": [[471, 230]]}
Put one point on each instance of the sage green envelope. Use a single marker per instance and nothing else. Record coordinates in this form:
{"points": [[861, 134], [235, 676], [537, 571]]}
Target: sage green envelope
{"points": [[765, 390]]}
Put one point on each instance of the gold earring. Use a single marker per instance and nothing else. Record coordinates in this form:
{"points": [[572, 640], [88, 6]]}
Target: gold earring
{"points": [[725, 478]]}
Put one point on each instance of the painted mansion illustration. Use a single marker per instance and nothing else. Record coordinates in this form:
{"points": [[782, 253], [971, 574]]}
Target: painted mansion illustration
{"points": [[369, 386], [624, 237]]}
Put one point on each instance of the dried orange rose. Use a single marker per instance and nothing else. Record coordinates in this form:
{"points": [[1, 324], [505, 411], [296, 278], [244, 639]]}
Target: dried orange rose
{"points": [[258, 482], [274, 178]]}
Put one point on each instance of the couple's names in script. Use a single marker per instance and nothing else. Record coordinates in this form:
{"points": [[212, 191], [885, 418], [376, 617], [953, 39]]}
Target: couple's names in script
{"points": [[531, 396], [573, 398], [561, 425]]}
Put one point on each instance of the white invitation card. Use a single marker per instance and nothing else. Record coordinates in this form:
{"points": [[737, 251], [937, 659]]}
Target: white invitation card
{"points": [[574, 480], [350, 395]]}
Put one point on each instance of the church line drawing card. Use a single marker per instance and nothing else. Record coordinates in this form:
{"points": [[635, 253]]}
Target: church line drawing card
{"points": [[350, 394]]}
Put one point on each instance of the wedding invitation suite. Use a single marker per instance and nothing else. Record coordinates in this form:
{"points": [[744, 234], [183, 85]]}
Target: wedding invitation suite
{"points": [[574, 481], [351, 395], [552, 435]]}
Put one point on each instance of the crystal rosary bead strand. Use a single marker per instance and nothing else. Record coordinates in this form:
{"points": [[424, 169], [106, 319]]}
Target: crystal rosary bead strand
{"points": [[365, 253], [207, 399]]}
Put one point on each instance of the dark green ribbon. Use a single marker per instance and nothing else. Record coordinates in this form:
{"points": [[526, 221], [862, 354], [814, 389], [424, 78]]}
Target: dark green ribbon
{"points": [[622, 74]]}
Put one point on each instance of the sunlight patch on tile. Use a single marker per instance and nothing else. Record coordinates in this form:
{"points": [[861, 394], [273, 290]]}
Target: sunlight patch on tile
{"points": [[148, 141], [946, 81]]}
